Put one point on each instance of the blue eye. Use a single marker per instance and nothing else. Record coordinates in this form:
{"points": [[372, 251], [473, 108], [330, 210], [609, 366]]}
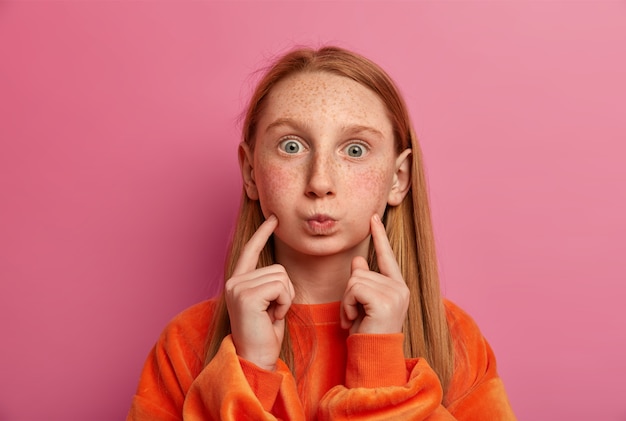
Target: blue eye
{"points": [[355, 150], [291, 146]]}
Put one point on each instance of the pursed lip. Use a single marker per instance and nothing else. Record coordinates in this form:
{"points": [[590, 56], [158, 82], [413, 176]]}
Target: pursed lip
{"points": [[320, 217], [321, 224]]}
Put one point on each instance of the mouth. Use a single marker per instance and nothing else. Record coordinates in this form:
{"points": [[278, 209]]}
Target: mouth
{"points": [[321, 224]]}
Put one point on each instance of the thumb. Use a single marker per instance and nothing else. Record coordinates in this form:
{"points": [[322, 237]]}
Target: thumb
{"points": [[359, 262]]}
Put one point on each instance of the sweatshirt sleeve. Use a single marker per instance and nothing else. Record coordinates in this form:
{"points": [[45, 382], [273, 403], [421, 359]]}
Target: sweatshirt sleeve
{"points": [[476, 390], [381, 385], [170, 368], [485, 398], [230, 389], [175, 386]]}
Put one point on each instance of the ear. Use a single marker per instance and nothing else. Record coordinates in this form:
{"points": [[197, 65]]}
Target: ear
{"points": [[246, 158], [401, 179]]}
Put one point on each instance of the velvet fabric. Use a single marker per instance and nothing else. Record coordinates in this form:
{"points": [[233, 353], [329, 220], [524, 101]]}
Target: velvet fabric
{"points": [[338, 376]]}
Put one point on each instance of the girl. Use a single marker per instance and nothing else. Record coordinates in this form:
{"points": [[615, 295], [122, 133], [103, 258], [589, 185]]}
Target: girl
{"points": [[331, 308]]}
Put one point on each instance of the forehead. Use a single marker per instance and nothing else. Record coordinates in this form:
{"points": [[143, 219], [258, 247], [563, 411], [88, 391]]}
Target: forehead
{"points": [[325, 97]]}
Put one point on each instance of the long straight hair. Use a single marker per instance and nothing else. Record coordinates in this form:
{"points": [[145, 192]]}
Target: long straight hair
{"points": [[408, 225]]}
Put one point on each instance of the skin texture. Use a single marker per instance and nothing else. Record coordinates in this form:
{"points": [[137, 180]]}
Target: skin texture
{"points": [[323, 168]]}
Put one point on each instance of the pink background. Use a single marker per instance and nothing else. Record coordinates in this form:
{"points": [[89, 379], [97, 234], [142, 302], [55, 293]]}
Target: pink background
{"points": [[119, 181]]}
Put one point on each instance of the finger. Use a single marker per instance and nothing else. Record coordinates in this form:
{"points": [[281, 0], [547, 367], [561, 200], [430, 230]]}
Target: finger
{"points": [[280, 306], [250, 254], [350, 306], [349, 309], [387, 263], [235, 285], [275, 269], [272, 295], [348, 314], [292, 290], [359, 262]]}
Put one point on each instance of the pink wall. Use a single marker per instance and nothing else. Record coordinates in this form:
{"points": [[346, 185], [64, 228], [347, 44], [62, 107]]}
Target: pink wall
{"points": [[118, 181]]}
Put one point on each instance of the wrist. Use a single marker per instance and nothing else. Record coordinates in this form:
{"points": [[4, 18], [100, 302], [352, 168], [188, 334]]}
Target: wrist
{"points": [[264, 362]]}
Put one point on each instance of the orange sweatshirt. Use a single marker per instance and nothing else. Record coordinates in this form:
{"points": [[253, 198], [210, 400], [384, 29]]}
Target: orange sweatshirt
{"points": [[360, 376]]}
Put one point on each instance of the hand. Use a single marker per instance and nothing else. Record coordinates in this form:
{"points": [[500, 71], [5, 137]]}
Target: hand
{"points": [[257, 301], [375, 302]]}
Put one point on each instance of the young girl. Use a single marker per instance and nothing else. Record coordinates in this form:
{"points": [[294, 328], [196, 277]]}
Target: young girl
{"points": [[331, 308]]}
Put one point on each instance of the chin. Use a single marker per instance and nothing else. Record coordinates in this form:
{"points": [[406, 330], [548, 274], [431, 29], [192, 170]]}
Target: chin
{"points": [[326, 247]]}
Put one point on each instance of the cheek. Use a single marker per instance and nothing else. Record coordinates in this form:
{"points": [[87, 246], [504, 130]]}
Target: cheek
{"points": [[273, 184], [371, 186]]}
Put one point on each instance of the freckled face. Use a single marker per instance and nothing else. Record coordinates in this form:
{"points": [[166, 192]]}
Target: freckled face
{"points": [[323, 163]]}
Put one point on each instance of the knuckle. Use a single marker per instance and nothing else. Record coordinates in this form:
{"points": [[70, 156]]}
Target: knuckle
{"points": [[278, 268], [358, 287], [229, 287], [234, 288], [279, 285], [359, 272]]}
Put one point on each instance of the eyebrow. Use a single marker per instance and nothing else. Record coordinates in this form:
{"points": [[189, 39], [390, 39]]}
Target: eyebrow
{"points": [[348, 130], [280, 122], [358, 129]]}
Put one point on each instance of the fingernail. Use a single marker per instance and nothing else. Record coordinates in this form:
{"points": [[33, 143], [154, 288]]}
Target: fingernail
{"points": [[272, 217], [376, 217]]}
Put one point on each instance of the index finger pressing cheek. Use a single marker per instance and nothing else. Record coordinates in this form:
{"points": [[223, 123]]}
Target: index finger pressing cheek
{"points": [[385, 257], [251, 251]]}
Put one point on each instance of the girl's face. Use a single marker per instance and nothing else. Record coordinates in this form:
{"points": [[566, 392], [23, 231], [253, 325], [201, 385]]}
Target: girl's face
{"points": [[324, 162]]}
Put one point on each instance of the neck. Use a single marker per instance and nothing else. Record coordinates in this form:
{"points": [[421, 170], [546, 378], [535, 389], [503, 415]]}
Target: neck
{"points": [[319, 279]]}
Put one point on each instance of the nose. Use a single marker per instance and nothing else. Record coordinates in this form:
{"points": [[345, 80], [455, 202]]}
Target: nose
{"points": [[321, 176]]}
